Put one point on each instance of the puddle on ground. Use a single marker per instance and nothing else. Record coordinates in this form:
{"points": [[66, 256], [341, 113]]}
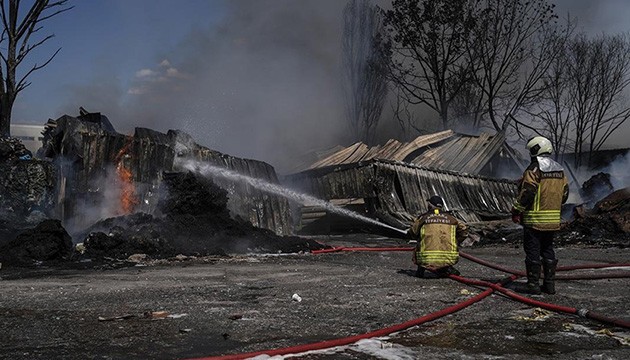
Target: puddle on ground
{"points": [[547, 336]]}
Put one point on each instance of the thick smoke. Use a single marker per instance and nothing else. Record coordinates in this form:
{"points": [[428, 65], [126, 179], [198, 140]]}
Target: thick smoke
{"points": [[619, 171], [264, 84]]}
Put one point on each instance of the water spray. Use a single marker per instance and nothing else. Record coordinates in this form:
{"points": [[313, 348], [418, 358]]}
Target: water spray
{"points": [[208, 170]]}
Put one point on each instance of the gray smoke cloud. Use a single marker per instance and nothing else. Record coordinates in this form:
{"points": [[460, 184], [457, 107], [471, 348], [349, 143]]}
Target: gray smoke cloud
{"points": [[265, 84]]}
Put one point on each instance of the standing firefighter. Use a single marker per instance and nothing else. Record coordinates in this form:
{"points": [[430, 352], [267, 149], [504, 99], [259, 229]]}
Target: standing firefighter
{"points": [[438, 234], [542, 191]]}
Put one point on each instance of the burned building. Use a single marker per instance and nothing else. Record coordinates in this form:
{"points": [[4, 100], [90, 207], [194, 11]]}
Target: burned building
{"points": [[27, 185], [92, 158], [393, 181]]}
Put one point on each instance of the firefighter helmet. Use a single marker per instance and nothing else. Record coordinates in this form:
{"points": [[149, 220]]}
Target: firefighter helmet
{"points": [[539, 145], [436, 201]]}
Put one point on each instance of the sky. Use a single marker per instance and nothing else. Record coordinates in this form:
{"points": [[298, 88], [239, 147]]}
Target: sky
{"points": [[257, 79]]}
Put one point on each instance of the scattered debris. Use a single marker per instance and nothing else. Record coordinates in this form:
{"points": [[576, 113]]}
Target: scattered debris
{"points": [[296, 297], [598, 186], [607, 224], [116, 318], [536, 314], [154, 315], [621, 337]]}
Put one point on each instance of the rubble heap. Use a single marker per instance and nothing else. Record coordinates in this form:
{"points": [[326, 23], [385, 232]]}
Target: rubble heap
{"points": [[26, 184], [48, 241], [598, 186], [194, 220], [607, 224]]}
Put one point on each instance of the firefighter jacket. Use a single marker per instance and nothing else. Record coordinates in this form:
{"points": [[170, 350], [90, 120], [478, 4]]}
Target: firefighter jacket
{"points": [[542, 191], [438, 234]]}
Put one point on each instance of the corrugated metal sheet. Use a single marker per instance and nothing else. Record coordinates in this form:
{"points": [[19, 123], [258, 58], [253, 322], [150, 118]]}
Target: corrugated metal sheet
{"points": [[396, 192], [443, 150], [151, 153]]}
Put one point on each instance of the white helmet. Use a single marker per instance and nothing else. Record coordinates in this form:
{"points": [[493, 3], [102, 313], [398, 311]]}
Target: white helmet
{"points": [[539, 145]]}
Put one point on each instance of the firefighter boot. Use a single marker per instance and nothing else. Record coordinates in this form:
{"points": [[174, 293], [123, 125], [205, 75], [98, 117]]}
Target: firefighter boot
{"points": [[549, 271], [533, 275], [420, 272]]}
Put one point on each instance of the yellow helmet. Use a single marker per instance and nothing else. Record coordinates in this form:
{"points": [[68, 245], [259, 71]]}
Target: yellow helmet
{"points": [[539, 145]]}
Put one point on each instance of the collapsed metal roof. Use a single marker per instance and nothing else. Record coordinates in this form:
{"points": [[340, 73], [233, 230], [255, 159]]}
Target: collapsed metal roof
{"points": [[396, 192], [444, 150]]}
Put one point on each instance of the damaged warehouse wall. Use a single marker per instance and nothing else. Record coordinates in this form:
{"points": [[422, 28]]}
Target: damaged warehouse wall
{"points": [[396, 192], [90, 152], [27, 185]]}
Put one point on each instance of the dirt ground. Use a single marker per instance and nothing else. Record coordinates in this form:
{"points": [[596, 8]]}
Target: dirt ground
{"points": [[243, 303]]}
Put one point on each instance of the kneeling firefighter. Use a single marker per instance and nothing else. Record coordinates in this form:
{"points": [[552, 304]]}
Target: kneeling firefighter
{"points": [[438, 234], [542, 191]]}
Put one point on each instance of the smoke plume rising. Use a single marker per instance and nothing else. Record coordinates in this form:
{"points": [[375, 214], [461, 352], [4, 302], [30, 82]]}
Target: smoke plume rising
{"points": [[264, 84]]}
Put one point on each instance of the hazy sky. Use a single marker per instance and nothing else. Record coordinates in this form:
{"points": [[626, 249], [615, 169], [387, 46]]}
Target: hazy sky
{"points": [[251, 78]]}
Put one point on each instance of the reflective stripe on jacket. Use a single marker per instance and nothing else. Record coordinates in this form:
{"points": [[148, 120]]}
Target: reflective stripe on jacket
{"points": [[437, 235], [542, 191]]}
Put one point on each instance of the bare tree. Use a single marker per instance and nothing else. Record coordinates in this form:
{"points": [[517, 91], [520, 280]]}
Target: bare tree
{"points": [[426, 44], [365, 79], [20, 27], [584, 100], [512, 47], [599, 76], [552, 117]]}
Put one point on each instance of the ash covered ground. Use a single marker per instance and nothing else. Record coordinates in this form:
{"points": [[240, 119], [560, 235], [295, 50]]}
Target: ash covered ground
{"points": [[226, 305], [192, 281]]}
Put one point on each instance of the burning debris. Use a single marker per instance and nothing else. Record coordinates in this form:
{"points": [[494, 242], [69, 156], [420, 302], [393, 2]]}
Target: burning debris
{"points": [[106, 174], [194, 221]]}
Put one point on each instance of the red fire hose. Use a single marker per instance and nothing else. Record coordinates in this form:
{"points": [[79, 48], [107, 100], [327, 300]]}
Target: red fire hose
{"points": [[544, 305], [560, 268], [491, 287], [352, 339]]}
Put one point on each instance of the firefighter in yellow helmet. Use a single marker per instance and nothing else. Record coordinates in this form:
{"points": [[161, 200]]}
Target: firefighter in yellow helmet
{"points": [[438, 234], [542, 191]]}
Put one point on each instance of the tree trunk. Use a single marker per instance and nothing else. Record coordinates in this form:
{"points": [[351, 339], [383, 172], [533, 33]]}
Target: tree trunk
{"points": [[6, 105]]}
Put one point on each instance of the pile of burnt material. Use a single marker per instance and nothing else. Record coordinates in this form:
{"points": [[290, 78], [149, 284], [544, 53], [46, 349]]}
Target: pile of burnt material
{"points": [[597, 187], [606, 224], [193, 219], [26, 184], [46, 242], [27, 189]]}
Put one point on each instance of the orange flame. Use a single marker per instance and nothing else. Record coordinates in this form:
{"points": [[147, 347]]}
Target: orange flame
{"points": [[128, 198]]}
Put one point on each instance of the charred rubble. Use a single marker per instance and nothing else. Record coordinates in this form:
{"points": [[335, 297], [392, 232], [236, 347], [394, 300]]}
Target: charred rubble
{"points": [[156, 210], [163, 212], [606, 224], [194, 220]]}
